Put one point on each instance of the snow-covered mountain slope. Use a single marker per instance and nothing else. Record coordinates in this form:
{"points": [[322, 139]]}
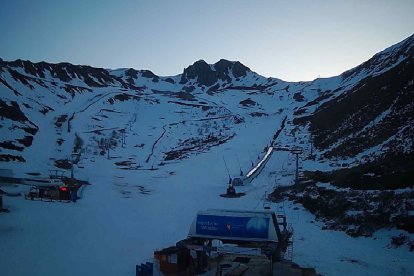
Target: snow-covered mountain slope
{"points": [[68, 105], [369, 122], [357, 117], [152, 147]]}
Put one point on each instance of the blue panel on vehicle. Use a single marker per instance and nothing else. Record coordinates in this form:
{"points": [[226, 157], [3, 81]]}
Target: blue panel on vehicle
{"points": [[233, 227]]}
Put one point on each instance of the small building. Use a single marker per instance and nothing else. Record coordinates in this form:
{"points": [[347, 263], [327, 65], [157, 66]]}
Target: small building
{"points": [[175, 260], [232, 242], [215, 234]]}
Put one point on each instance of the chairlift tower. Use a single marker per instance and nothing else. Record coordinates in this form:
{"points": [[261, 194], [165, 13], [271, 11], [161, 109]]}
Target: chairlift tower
{"points": [[297, 151]]}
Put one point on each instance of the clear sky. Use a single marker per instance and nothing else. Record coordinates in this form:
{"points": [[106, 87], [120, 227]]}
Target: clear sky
{"points": [[291, 40]]}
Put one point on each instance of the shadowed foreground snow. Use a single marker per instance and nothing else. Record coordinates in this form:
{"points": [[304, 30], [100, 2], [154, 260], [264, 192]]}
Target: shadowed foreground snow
{"points": [[115, 226]]}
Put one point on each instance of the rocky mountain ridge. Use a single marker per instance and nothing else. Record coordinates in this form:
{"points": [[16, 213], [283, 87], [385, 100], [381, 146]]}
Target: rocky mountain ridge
{"points": [[361, 116]]}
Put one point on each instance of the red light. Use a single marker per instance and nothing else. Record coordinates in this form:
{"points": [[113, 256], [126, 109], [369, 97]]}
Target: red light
{"points": [[63, 189]]}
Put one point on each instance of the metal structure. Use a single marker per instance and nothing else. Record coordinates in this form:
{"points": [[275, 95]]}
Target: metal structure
{"points": [[296, 152]]}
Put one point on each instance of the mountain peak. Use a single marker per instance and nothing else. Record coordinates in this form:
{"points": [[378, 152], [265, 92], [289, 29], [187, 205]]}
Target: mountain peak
{"points": [[238, 69], [207, 74]]}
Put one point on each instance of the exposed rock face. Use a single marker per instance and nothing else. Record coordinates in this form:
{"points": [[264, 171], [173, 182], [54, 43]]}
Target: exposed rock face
{"points": [[131, 74], [369, 117], [224, 66], [365, 110], [383, 60], [150, 75], [208, 75], [358, 213], [376, 109], [66, 72], [95, 77]]}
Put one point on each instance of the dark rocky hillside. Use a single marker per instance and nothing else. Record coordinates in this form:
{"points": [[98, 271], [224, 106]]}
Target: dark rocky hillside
{"points": [[66, 72], [383, 60], [354, 131], [365, 126], [356, 115], [372, 122], [357, 213], [361, 121], [207, 76]]}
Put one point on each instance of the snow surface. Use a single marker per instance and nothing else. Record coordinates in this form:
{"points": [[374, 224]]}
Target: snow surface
{"points": [[105, 233], [124, 215]]}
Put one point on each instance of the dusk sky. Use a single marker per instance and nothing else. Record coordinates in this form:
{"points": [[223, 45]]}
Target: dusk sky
{"points": [[291, 40]]}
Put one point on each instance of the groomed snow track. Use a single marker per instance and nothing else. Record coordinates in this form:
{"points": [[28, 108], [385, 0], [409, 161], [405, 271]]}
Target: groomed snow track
{"points": [[256, 170]]}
